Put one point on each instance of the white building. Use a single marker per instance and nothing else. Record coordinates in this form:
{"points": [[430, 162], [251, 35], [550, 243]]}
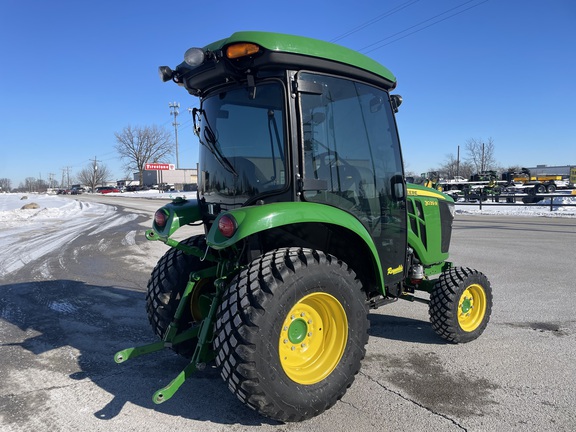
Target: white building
{"points": [[179, 179]]}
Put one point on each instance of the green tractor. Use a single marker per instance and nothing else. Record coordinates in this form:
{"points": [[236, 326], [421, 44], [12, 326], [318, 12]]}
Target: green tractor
{"points": [[308, 222]]}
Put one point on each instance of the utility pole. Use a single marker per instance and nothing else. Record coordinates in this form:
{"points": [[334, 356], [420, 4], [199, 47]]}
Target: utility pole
{"points": [[458, 162], [94, 172], [67, 177], [174, 106]]}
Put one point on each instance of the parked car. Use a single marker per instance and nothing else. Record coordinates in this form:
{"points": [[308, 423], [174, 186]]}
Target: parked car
{"points": [[106, 189], [133, 188], [77, 191]]}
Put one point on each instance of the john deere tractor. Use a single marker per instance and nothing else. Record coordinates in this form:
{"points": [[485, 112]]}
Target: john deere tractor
{"points": [[308, 224]]}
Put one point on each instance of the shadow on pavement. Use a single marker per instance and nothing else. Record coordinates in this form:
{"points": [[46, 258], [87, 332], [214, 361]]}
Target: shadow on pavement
{"points": [[71, 330], [403, 329]]}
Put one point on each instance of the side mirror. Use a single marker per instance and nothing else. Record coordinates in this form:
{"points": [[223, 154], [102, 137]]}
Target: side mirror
{"points": [[395, 101]]}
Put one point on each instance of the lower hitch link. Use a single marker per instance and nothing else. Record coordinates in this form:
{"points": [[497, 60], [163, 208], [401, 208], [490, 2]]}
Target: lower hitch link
{"points": [[203, 352]]}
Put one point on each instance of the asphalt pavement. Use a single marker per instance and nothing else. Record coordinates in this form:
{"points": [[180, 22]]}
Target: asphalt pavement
{"points": [[64, 317]]}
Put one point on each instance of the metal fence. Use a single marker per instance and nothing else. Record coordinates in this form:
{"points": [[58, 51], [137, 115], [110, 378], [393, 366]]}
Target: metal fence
{"points": [[508, 199]]}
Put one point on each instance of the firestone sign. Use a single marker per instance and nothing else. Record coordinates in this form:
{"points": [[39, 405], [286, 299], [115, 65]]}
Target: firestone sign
{"points": [[159, 167]]}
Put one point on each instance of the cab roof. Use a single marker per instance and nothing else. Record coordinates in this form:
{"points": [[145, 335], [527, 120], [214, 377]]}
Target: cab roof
{"points": [[305, 46]]}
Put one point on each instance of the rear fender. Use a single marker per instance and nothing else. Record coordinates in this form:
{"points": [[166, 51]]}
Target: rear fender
{"points": [[254, 219]]}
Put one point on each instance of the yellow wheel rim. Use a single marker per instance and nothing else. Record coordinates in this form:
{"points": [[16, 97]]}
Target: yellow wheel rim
{"points": [[471, 307], [313, 338]]}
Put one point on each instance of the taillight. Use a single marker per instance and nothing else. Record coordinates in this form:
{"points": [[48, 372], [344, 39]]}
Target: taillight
{"points": [[227, 225], [160, 218]]}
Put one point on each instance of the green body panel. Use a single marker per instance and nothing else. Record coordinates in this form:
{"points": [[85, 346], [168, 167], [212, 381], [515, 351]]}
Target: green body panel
{"points": [[254, 219], [425, 227], [180, 212], [436, 269], [306, 46]]}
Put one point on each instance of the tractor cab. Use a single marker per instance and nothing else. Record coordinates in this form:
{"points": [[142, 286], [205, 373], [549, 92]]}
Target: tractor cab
{"points": [[282, 120]]}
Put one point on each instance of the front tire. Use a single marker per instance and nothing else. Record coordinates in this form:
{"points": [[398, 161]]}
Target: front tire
{"points": [[291, 332], [166, 286], [461, 304]]}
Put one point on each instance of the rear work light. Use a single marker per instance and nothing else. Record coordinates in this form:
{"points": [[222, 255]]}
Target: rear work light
{"points": [[242, 50], [227, 225], [160, 218]]}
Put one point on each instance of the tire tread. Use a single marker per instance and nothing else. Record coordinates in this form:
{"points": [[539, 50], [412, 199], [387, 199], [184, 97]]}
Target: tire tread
{"points": [[236, 335], [442, 312]]}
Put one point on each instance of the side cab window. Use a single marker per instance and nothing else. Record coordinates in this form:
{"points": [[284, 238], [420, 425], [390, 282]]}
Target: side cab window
{"points": [[351, 149]]}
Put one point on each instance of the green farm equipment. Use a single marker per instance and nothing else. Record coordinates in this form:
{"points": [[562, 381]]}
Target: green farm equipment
{"points": [[309, 223]]}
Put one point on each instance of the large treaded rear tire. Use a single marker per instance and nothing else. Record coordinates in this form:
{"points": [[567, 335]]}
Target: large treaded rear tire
{"points": [[165, 287], [460, 304], [290, 333]]}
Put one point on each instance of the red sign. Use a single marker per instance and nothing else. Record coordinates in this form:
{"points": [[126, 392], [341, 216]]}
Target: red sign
{"points": [[159, 167]]}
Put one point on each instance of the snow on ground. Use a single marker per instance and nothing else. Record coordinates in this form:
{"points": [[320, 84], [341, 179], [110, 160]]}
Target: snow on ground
{"points": [[567, 212], [562, 206], [28, 234]]}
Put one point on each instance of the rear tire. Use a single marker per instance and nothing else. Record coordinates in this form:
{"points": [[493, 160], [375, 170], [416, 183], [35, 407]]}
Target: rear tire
{"points": [[291, 332], [461, 304], [166, 286]]}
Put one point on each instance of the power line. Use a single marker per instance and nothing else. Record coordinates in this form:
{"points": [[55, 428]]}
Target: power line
{"points": [[366, 51], [376, 19]]}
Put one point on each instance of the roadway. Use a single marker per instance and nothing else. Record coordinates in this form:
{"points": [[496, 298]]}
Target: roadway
{"points": [[64, 316]]}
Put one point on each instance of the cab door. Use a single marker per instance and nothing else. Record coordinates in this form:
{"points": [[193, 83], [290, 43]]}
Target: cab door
{"points": [[352, 160]]}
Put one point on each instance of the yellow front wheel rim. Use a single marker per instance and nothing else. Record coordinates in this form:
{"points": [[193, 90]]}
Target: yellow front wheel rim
{"points": [[313, 338], [472, 307]]}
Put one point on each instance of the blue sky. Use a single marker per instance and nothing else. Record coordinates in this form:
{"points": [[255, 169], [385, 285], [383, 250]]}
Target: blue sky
{"points": [[73, 73]]}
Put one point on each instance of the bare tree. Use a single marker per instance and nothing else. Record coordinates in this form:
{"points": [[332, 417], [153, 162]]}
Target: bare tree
{"points": [[481, 154], [5, 185], [141, 145], [30, 184], [94, 175], [41, 185], [452, 167]]}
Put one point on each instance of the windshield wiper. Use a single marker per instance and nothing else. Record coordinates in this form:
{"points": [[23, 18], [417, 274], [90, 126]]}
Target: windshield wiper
{"points": [[211, 143]]}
